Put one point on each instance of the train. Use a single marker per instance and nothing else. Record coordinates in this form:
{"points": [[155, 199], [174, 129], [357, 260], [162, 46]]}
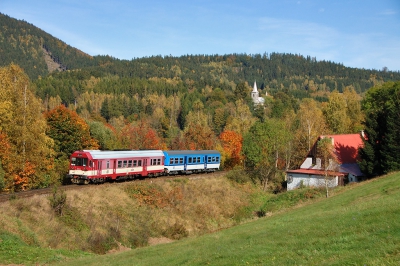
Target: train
{"points": [[99, 166]]}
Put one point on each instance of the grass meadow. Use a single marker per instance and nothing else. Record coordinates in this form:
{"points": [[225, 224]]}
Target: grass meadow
{"points": [[358, 225]]}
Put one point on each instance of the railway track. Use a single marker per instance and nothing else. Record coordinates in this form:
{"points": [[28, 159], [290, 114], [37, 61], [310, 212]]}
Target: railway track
{"points": [[4, 197]]}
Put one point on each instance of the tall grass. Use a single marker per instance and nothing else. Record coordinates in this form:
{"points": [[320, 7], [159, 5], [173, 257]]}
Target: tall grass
{"points": [[127, 215], [359, 226]]}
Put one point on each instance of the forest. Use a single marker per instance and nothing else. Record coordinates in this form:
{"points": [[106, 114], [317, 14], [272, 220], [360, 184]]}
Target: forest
{"points": [[166, 102]]}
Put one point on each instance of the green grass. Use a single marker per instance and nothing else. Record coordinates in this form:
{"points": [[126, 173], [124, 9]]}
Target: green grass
{"points": [[360, 226], [15, 251]]}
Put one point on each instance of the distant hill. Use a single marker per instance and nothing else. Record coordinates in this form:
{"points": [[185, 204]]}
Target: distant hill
{"points": [[41, 55], [36, 51]]}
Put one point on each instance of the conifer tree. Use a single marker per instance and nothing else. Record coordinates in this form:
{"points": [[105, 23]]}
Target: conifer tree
{"points": [[382, 130]]}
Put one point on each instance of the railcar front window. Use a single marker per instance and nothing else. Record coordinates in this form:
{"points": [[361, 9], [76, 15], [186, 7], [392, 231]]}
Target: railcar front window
{"points": [[79, 161]]}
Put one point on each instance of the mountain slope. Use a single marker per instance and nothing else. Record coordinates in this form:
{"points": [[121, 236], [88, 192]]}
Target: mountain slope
{"points": [[28, 46]]}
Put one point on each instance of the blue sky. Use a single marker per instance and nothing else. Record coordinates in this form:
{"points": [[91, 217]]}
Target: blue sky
{"points": [[356, 33]]}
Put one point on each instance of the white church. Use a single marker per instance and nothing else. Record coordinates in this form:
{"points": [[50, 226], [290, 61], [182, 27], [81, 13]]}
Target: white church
{"points": [[255, 95]]}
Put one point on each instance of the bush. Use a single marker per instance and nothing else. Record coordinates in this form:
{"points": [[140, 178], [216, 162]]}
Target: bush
{"points": [[238, 175], [100, 243], [289, 199], [176, 231], [58, 200]]}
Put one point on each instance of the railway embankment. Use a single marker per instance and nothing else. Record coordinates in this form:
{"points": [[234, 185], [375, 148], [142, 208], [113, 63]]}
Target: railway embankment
{"points": [[111, 216]]}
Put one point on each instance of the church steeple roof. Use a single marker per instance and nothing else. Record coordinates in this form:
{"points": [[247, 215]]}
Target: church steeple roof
{"points": [[255, 87]]}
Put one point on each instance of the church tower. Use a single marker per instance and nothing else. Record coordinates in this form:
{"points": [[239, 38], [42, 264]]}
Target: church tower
{"points": [[254, 93], [255, 96]]}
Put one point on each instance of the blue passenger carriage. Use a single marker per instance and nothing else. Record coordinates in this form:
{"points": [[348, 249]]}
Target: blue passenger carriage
{"points": [[188, 161]]}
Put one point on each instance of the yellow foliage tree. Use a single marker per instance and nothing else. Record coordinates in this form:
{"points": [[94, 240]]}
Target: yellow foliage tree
{"points": [[30, 154]]}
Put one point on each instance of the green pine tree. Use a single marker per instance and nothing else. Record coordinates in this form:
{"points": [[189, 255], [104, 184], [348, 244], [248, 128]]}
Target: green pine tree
{"points": [[382, 127]]}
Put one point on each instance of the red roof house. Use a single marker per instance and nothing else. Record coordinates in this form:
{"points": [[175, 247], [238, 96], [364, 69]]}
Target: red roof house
{"points": [[311, 172]]}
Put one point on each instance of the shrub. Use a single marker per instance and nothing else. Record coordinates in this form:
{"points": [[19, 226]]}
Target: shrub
{"points": [[176, 231], [238, 175], [58, 200], [100, 243]]}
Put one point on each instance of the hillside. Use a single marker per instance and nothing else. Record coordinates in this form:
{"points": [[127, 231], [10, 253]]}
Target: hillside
{"points": [[358, 226], [26, 45]]}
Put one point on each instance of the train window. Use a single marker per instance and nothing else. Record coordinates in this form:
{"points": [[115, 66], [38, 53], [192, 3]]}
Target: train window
{"points": [[190, 160], [134, 163], [176, 160], [181, 160], [79, 161], [198, 159], [125, 163], [139, 163], [155, 162], [129, 163], [208, 159], [119, 164], [217, 159], [108, 164]]}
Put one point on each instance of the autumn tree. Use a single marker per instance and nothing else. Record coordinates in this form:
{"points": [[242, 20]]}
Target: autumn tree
{"points": [[240, 119], [353, 109], [310, 125], [27, 160], [140, 135], [329, 162], [69, 132], [105, 134], [264, 150], [335, 113], [231, 142], [199, 137], [197, 134]]}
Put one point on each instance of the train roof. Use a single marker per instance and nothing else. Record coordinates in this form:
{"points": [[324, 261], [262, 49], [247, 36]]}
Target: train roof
{"points": [[99, 154], [191, 152]]}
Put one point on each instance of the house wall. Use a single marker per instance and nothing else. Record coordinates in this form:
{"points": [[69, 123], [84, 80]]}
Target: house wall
{"points": [[307, 163], [353, 178], [308, 180]]}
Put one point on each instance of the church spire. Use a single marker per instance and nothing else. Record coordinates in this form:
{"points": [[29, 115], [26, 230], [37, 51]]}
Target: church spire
{"points": [[255, 86]]}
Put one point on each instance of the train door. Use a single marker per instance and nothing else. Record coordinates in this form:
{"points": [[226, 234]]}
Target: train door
{"points": [[114, 170], [144, 171], [205, 161], [185, 162], [99, 162]]}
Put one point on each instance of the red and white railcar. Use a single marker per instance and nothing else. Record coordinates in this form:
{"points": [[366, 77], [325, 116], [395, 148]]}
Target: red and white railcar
{"points": [[95, 166]]}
